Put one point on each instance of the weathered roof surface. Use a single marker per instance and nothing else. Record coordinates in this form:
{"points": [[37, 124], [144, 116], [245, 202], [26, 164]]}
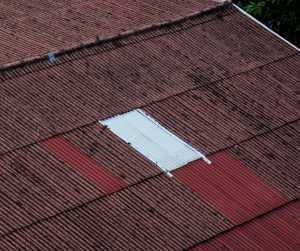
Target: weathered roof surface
{"points": [[218, 81], [278, 230], [159, 214], [115, 77], [30, 28]]}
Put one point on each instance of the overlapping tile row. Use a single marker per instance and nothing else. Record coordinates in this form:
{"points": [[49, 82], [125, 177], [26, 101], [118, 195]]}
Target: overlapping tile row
{"points": [[181, 225], [158, 214], [211, 121], [60, 173], [274, 158], [35, 185], [278, 230], [37, 26], [230, 187], [69, 95], [224, 113], [290, 134]]}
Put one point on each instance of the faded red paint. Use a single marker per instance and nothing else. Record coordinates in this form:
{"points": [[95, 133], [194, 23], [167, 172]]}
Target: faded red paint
{"points": [[190, 76], [280, 230], [231, 187], [83, 164]]}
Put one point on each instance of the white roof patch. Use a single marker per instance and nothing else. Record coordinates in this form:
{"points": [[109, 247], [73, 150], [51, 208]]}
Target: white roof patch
{"points": [[152, 140]]}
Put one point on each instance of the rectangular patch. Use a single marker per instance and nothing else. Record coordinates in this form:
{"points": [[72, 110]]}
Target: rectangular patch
{"points": [[230, 187], [83, 164], [152, 140]]}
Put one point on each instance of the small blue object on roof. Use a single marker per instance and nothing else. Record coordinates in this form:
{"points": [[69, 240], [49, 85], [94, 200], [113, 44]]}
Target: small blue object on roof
{"points": [[51, 57]]}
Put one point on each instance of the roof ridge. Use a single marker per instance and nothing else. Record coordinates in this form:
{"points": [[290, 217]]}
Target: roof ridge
{"points": [[209, 84], [111, 40]]}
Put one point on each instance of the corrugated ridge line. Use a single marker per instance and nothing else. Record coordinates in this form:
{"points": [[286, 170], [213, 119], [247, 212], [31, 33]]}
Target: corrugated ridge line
{"points": [[131, 185], [113, 42], [94, 50], [80, 24], [244, 223], [153, 102]]}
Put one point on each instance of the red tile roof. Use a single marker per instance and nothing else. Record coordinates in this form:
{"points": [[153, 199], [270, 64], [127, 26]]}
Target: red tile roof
{"points": [[90, 75], [158, 214], [217, 80], [31, 28], [278, 230]]}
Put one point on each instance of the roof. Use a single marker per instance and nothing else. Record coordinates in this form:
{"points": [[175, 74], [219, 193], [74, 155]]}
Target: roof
{"points": [[32, 28], [215, 78]]}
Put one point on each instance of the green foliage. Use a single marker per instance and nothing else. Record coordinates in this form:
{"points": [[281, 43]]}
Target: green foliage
{"points": [[255, 9], [282, 16]]}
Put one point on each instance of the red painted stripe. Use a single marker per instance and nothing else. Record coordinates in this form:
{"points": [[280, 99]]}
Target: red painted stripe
{"points": [[83, 164], [231, 187]]}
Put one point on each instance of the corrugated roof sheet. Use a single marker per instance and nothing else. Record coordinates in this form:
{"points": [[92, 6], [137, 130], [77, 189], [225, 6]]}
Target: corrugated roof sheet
{"points": [[83, 164], [230, 187], [72, 94], [34, 27], [135, 218], [276, 231], [241, 84], [152, 140]]}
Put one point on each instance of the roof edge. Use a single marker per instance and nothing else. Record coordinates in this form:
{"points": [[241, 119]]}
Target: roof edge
{"points": [[267, 28], [114, 38]]}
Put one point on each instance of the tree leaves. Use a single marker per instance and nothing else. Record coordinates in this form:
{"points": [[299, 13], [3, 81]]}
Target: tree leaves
{"points": [[255, 9], [282, 16]]}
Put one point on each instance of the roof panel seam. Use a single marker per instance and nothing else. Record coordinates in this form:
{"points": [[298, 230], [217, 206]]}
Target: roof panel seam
{"points": [[113, 42], [244, 223], [163, 99], [144, 180]]}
